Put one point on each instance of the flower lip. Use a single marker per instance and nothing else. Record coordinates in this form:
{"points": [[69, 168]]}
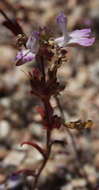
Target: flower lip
{"points": [[23, 57], [80, 33], [61, 18]]}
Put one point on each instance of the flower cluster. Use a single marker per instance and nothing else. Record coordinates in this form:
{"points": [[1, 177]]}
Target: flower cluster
{"points": [[77, 37]]}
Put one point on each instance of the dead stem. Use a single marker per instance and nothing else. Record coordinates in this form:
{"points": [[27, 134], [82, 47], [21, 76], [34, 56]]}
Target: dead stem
{"points": [[80, 165]]}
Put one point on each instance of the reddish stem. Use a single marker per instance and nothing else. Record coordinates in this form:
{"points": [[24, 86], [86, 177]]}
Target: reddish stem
{"points": [[44, 161], [46, 103]]}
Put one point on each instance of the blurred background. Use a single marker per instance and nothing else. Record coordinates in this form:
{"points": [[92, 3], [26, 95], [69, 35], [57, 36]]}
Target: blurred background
{"points": [[19, 119]]}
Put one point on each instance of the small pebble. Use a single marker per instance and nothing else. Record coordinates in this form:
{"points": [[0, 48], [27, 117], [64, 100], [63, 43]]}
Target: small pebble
{"points": [[14, 158], [4, 129], [2, 178]]}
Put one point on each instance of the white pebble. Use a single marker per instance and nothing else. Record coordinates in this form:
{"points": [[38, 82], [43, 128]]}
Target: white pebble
{"points": [[4, 129]]}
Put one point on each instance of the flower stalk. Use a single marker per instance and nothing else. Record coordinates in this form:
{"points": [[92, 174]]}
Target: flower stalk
{"points": [[47, 55]]}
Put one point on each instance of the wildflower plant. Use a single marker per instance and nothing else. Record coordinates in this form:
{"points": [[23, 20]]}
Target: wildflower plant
{"points": [[48, 54]]}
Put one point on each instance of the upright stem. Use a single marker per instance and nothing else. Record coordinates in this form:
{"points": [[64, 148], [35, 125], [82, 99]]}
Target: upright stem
{"points": [[42, 67], [40, 64], [44, 161], [48, 135], [39, 172], [48, 138]]}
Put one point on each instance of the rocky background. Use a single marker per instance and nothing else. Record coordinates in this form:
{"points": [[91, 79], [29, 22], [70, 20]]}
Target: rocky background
{"points": [[19, 120]]}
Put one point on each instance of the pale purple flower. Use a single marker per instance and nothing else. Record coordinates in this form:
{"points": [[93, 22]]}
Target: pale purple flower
{"points": [[28, 54], [14, 182], [79, 37]]}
